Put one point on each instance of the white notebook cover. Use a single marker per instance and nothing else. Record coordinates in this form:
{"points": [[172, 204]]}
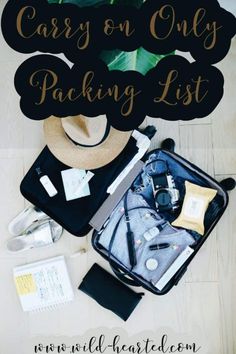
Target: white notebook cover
{"points": [[43, 285]]}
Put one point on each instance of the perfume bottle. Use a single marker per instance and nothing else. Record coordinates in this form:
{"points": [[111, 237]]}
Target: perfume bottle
{"points": [[46, 183]]}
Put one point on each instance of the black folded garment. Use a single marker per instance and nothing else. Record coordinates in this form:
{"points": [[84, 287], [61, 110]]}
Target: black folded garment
{"points": [[74, 216], [110, 292]]}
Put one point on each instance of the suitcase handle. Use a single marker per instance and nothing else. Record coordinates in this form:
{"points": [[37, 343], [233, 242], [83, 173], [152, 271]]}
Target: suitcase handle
{"points": [[123, 277]]}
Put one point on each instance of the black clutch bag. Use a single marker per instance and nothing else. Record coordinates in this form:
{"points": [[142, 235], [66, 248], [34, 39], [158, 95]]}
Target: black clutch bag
{"points": [[110, 292]]}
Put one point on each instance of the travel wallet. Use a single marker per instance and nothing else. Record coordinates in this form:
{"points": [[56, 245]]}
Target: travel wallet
{"points": [[109, 292]]}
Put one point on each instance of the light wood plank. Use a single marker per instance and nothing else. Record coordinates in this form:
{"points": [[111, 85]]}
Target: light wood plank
{"points": [[11, 142], [11, 173], [192, 311], [13, 320], [226, 242], [203, 316], [196, 146], [170, 309], [165, 129], [224, 122], [7, 53], [197, 121], [33, 142]]}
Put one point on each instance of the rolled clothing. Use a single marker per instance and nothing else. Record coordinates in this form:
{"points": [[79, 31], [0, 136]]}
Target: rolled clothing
{"points": [[142, 220]]}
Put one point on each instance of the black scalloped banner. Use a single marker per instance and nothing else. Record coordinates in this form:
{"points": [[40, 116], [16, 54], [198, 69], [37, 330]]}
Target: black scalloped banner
{"points": [[174, 89]]}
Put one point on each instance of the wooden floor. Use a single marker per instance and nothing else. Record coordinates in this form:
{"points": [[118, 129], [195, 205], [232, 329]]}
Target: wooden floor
{"points": [[202, 307]]}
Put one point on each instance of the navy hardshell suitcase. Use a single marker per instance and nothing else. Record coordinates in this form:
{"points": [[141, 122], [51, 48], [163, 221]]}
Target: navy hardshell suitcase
{"points": [[182, 170]]}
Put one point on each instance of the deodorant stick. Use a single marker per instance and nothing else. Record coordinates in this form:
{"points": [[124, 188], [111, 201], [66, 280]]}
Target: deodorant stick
{"points": [[46, 183]]}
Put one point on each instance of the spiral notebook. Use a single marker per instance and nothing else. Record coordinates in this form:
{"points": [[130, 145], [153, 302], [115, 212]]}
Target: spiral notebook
{"points": [[43, 285]]}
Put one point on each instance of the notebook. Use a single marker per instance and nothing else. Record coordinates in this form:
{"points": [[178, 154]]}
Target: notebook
{"points": [[43, 285]]}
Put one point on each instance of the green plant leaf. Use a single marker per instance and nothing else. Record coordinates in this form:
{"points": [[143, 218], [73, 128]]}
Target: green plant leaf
{"points": [[139, 60]]}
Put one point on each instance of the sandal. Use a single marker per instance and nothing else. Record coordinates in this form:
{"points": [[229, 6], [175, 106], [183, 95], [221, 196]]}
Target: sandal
{"points": [[24, 219], [39, 234]]}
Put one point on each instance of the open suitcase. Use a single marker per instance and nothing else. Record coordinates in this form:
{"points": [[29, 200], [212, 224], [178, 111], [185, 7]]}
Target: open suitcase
{"points": [[183, 170], [97, 213]]}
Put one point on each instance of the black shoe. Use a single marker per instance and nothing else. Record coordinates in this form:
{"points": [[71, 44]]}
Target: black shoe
{"points": [[168, 144], [228, 184], [149, 131]]}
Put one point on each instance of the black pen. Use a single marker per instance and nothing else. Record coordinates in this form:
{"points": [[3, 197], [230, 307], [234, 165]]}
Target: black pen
{"points": [[159, 246]]}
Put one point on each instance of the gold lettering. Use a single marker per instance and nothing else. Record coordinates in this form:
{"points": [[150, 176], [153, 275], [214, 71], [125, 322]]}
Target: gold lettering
{"points": [[110, 27], [86, 88], [198, 18], [53, 31], [125, 27], [46, 81], [172, 76], [197, 21], [114, 91], [212, 35], [161, 13], [57, 95], [68, 28], [128, 105], [186, 96], [42, 30], [83, 40], [46, 85], [199, 82], [19, 20], [70, 93]]}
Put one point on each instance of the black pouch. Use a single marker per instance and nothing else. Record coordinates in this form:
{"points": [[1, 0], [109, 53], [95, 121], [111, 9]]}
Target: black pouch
{"points": [[110, 292]]}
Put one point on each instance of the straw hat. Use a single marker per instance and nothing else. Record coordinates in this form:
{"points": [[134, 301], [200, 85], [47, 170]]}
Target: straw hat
{"points": [[82, 142]]}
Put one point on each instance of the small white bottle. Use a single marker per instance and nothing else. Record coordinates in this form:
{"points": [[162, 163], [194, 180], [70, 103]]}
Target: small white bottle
{"points": [[46, 183]]}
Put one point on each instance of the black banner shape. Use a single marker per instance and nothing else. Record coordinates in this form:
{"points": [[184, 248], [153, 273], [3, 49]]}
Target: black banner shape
{"points": [[201, 27], [173, 90]]}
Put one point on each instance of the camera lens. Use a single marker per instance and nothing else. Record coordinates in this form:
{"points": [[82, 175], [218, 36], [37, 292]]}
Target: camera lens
{"points": [[163, 198]]}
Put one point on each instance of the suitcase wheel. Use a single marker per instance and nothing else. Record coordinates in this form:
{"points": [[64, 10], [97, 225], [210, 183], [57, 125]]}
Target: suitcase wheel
{"points": [[228, 184], [168, 144], [149, 131]]}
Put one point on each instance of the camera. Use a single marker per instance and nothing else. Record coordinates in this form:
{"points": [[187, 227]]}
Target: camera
{"points": [[166, 194]]}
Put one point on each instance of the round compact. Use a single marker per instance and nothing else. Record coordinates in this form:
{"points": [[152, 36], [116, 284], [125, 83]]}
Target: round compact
{"points": [[151, 264]]}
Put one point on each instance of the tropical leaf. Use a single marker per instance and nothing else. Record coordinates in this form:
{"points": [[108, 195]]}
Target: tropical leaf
{"points": [[139, 60]]}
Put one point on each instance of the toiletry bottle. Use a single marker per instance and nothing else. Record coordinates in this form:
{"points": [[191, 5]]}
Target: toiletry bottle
{"points": [[46, 183]]}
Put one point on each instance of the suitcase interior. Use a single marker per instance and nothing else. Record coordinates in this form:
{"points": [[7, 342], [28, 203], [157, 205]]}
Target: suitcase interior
{"points": [[181, 170]]}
